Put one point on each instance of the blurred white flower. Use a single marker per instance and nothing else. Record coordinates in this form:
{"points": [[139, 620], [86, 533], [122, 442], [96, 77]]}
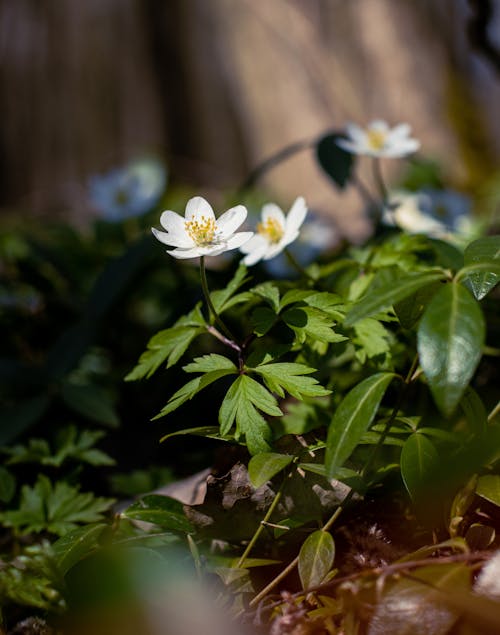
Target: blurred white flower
{"points": [[379, 140], [199, 233], [436, 213], [274, 232], [129, 191]]}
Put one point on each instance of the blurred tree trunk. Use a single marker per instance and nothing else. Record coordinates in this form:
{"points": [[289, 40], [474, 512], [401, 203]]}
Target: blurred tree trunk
{"points": [[218, 86]]}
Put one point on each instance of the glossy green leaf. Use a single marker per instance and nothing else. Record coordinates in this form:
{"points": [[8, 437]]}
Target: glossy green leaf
{"points": [[488, 487], [316, 558], [417, 606], [474, 410], [418, 458], [76, 545], [336, 162], [389, 294], [262, 467], [410, 309], [166, 512], [352, 419], [485, 250], [450, 338]]}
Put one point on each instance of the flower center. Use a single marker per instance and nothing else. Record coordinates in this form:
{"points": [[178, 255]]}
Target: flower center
{"points": [[271, 229], [202, 231], [376, 139]]}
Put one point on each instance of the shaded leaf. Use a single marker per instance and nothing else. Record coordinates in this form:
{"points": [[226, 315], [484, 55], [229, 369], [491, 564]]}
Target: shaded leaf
{"points": [[17, 419], [352, 419], [92, 402], [7, 485], [166, 512], [418, 458], [316, 558], [262, 467], [76, 545], [450, 338], [474, 410], [488, 487], [336, 162], [311, 322]]}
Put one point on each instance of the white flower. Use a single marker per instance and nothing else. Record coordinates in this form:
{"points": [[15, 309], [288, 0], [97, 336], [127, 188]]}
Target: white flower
{"points": [[378, 140], [200, 233], [274, 232]]}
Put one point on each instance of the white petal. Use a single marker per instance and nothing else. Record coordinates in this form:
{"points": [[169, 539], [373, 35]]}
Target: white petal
{"points": [[296, 215], [197, 207], [350, 146], [288, 238], [176, 228], [270, 210], [401, 131], [229, 222], [185, 253], [379, 125], [238, 240], [355, 132], [256, 242], [401, 149], [274, 250], [255, 255], [172, 240]]}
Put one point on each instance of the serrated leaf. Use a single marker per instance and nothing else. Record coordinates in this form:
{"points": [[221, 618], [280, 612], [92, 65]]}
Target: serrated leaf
{"points": [[336, 162], [210, 432], [450, 338], [311, 322], [169, 345], [370, 338], [316, 558], [488, 487], [222, 298], [474, 410], [240, 406], [263, 318], [76, 545], [192, 388], [92, 402], [287, 376], [411, 607], [262, 467], [167, 513], [418, 458], [482, 250], [209, 363], [294, 295], [269, 292], [352, 419], [387, 295]]}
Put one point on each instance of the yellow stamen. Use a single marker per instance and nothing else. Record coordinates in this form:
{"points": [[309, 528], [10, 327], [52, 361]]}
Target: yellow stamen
{"points": [[376, 139], [272, 229], [202, 231]]}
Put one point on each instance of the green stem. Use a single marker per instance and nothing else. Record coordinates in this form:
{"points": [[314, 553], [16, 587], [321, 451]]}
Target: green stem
{"points": [[296, 265], [210, 305], [379, 179], [494, 412]]}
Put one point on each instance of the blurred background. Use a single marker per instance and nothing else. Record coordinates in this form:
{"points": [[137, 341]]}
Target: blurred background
{"points": [[213, 88]]}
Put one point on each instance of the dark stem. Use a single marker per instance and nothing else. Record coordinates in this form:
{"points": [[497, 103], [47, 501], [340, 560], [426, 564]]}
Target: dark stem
{"points": [[379, 179], [210, 305]]}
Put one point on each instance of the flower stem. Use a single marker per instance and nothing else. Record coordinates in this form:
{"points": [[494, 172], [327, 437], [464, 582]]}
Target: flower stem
{"points": [[210, 305], [296, 265], [379, 179]]}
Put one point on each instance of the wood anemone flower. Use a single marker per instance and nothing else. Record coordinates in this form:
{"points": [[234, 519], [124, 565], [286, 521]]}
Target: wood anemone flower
{"points": [[379, 140]]}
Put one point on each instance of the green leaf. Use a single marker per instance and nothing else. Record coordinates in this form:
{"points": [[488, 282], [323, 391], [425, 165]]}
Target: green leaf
{"points": [[269, 292], [352, 419], [370, 338], [92, 402], [416, 606], [210, 363], [169, 345], [389, 294], [474, 410], [450, 338], [290, 377], [410, 309], [57, 508], [76, 545], [483, 250], [311, 322], [293, 296], [222, 298], [7, 485], [262, 467], [418, 458], [16, 419], [316, 558], [210, 432], [240, 406], [193, 387], [263, 319], [488, 487], [336, 162], [167, 513]]}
